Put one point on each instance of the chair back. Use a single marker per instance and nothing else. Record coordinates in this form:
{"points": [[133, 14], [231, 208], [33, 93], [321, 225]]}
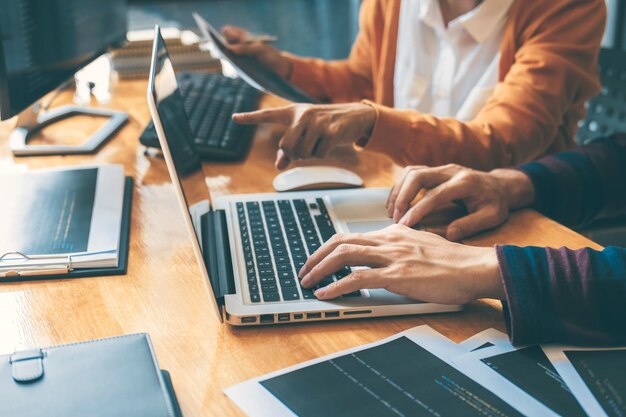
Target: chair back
{"points": [[606, 113]]}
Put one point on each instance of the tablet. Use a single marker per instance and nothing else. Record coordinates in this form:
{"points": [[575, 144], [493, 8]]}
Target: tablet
{"points": [[250, 70]]}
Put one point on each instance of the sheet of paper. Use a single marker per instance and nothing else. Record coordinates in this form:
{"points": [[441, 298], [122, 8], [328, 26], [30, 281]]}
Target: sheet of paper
{"points": [[522, 376], [597, 377], [408, 374], [485, 339]]}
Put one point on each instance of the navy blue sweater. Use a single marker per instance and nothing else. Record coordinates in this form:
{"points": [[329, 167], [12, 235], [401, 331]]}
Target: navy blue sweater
{"points": [[564, 295]]}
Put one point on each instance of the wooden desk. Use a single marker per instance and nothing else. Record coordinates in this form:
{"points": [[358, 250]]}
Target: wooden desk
{"points": [[163, 293]]}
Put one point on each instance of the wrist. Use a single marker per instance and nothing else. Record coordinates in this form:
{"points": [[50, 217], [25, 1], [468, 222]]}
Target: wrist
{"points": [[518, 188], [369, 120], [487, 281], [283, 66]]}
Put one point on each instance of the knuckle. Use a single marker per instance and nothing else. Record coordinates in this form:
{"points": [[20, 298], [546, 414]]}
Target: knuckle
{"points": [[333, 129], [357, 275], [453, 167], [413, 176], [468, 177], [337, 238], [342, 249], [306, 111]]}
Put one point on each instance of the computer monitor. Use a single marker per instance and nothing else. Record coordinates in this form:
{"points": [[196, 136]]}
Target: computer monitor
{"points": [[44, 42]]}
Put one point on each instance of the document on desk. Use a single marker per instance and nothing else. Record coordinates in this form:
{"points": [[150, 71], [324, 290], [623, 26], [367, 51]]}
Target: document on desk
{"points": [[50, 214], [523, 376], [597, 377], [485, 339], [409, 374]]}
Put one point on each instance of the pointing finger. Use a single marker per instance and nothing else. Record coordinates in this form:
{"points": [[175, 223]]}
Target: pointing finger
{"points": [[343, 255], [281, 115]]}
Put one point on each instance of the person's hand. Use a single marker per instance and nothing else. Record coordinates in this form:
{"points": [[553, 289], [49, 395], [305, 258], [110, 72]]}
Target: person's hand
{"points": [[419, 265], [488, 197], [314, 130], [265, 54]]}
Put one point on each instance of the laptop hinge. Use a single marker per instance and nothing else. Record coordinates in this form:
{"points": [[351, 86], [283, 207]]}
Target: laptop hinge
{"points": [[216, 252]]}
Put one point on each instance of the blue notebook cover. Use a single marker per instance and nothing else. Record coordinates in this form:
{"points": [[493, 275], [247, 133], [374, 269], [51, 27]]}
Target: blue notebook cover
{"points": [[118, 376]]}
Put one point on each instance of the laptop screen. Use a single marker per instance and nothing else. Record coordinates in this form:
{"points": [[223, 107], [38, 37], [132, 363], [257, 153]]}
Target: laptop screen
{"points": [[177, 133], [172, 126]]}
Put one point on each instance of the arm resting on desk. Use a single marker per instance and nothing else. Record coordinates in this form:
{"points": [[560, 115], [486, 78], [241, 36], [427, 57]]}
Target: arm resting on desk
{"points": [[585, 184], [563, 295], [568, 295]]}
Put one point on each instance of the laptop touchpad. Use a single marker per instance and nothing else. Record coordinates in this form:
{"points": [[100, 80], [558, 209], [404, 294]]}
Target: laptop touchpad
{"points": [[368, 226]]}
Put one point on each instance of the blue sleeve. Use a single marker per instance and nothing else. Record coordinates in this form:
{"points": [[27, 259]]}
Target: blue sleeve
{"points": [[585, 184], [563, 295]]}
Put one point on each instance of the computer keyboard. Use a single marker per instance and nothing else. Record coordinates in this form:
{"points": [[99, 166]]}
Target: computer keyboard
{"points": [[277, 238], [209, 101]]}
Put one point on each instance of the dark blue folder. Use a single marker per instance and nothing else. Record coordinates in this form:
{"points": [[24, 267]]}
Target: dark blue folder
{"points": [[122, 264]]}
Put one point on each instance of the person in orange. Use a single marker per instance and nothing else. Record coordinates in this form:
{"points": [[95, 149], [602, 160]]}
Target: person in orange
{"points": [[480, 83]]}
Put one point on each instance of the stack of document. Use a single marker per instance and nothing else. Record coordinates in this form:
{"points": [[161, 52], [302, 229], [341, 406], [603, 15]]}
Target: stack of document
{"points": [[420, 372], [61, 219], [133, 60]]}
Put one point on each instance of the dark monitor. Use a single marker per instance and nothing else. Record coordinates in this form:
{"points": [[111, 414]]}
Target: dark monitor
{"points": [[44, 42]]}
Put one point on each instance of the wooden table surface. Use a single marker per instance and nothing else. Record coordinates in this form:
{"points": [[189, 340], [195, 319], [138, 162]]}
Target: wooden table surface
{"points": [[163, 293]]}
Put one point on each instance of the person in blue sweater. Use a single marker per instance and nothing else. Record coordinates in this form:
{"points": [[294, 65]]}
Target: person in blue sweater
{"points": [[548, 294]]}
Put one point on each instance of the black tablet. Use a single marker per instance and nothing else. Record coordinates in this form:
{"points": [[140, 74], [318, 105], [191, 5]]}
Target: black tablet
{"points": [[250, 70]]}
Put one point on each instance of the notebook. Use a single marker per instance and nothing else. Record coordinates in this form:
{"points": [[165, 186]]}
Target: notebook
{"points": [[117, 377]]}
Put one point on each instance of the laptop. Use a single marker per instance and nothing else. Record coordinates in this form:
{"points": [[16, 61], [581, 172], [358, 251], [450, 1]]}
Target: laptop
{"points": [[250, 246]]}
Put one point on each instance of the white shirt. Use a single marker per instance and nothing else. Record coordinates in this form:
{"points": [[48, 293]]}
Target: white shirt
{"points": [[448, 72]]}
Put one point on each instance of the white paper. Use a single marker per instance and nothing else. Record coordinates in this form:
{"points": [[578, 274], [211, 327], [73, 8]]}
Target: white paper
{"points": [[489, 336], [256, 401], [577, 385], [470, 363]]}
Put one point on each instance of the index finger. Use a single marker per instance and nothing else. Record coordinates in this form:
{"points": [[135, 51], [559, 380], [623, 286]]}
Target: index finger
{"points": [[282, 115], [436, 198], [357, 280], [328, 247], [234, 34], [282, 161]]}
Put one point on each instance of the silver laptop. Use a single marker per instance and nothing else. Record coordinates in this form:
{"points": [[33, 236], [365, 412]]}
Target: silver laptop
{"points": [[250, 246]]}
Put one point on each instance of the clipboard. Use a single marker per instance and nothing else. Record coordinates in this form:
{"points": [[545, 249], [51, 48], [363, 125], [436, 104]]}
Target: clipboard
{"points": [[66, 271]]}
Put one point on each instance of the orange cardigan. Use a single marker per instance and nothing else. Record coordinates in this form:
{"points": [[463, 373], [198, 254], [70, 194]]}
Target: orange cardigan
{"points": [[547, 70]]}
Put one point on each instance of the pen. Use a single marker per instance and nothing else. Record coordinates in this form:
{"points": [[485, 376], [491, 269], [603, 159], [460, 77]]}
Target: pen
{"points": [[260, 38]]}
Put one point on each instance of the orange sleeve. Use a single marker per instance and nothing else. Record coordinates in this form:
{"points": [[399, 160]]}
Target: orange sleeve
{"points": [[343, 80], [554, 68]]}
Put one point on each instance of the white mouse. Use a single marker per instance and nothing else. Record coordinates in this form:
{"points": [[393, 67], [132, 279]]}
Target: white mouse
{"points": [[315, 178]]}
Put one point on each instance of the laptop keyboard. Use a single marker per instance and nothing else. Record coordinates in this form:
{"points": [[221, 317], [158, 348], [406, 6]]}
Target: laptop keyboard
{"points": [[277, 238]]}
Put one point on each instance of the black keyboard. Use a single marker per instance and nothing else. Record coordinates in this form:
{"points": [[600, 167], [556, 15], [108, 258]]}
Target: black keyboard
{"points": [[277, 238], [210, 100]]}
